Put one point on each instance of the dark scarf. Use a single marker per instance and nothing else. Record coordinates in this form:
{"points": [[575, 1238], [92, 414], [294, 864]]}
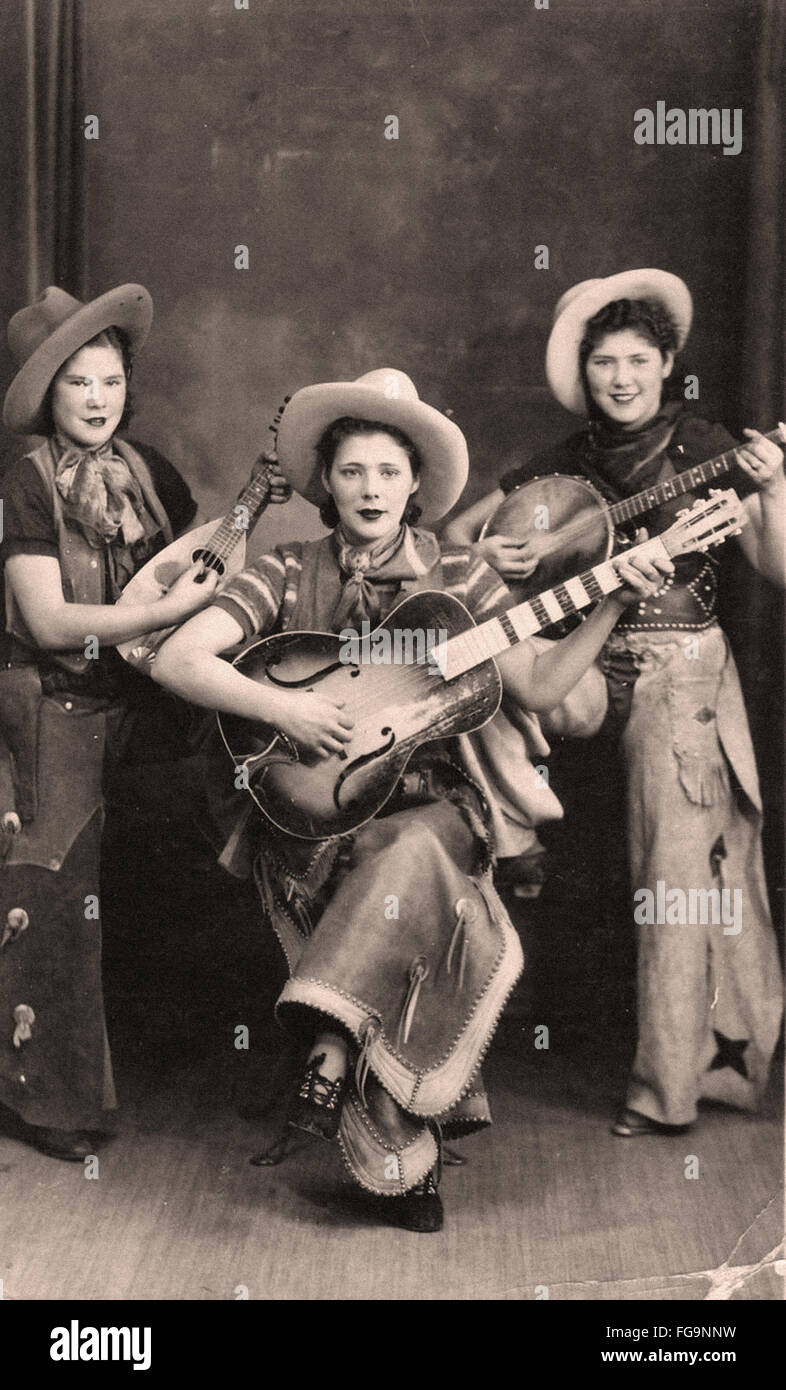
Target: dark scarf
{"points": [[624, 462]]}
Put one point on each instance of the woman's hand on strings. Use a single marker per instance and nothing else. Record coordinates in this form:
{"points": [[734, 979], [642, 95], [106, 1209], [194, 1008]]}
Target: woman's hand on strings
{"points": [[317, 724], [642, 575], [762, 460], [280, 489], [192, 590], [512, 559]]}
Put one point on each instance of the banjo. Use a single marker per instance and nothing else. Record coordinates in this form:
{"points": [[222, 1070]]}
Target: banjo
{"points": [[569, 524]]}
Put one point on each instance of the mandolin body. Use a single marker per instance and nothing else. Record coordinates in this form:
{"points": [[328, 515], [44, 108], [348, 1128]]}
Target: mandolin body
{"points": [[396, 706], [160, 573]]}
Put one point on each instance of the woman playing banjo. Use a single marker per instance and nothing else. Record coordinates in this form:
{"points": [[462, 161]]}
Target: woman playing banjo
{"points": [[400, 954], [709, 1000]]}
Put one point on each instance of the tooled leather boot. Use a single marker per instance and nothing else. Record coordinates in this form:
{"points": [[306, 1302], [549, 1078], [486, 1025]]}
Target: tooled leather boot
{"points": [[317, 1106]]}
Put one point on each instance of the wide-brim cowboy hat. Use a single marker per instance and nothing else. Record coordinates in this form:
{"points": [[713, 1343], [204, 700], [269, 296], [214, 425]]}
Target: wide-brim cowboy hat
{"points": [[43, 336], [388, 397], [576, 308]]}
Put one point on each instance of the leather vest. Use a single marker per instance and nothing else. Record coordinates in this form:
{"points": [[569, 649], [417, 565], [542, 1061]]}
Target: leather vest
{"points": [[81, 565]]}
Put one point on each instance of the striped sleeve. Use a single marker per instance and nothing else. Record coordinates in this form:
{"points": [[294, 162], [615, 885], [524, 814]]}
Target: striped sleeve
{"points": [[255, 597]]}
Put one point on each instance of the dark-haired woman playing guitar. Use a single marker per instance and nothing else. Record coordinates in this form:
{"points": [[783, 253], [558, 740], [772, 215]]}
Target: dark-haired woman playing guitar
{"points": [[400, 954], [709, 997]]}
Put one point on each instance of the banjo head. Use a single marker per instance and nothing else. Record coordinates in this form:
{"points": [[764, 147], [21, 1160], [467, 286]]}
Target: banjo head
{"points": [[565, 521]]}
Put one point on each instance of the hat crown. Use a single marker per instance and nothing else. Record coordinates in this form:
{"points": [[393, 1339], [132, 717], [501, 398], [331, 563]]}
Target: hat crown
{"points": [[31, 326], [391, 383]]}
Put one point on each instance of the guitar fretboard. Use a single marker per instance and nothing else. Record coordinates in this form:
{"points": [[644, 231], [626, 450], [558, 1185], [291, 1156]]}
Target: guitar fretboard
{"points": [[677, 486], [477, 644]]}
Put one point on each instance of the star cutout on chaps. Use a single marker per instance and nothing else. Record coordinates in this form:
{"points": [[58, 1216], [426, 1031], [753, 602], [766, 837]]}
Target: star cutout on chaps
{"points": [[729, 1054]]}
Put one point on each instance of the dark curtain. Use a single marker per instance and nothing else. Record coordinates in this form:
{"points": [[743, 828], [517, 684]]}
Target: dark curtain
{"points": [[42, 158], [757, 621], [764, 363], [54, 146]]}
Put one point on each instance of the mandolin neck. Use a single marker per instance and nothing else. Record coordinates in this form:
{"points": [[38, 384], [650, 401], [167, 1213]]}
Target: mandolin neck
{"points": [[677, 486], [241, 518]]}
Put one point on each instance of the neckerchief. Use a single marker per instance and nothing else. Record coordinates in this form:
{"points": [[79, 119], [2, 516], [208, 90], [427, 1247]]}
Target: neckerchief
{"points": [[406, 555], [628, 462], [100, 494]]}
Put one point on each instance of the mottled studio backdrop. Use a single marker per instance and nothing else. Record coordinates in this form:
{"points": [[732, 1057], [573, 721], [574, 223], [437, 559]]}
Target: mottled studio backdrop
{"points": [[266, 127]]}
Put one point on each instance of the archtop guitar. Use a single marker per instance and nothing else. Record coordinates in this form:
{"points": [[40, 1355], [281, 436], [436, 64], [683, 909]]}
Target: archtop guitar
{"points": [[433, 691]]}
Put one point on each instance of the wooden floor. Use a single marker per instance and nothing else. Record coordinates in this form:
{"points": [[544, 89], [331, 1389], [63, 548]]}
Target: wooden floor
{"points": [[548, 1197]]}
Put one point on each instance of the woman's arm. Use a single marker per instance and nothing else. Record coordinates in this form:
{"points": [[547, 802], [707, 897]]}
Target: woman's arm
{"points": [[189, 664], [538, 683], [57, 625], [511, 558], [763, 540], [464, 529]]}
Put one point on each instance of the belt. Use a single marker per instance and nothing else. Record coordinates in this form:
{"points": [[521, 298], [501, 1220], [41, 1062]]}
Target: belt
{"points": [[688, 606]]}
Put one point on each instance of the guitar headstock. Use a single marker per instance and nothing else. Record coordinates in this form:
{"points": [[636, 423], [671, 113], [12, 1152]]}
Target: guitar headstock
{"points": [[707, 523]]}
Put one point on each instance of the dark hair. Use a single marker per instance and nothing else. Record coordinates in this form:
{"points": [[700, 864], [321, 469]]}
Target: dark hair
{"points": [[648, 317], [344, 428], [117, 339]]}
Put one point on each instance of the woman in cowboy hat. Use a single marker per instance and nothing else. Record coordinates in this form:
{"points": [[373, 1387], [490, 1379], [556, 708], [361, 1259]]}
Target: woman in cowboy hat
{"points": [[370, 923], [709, 1001], [83, 510]]}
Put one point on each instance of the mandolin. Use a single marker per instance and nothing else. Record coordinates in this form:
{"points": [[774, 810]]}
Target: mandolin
{"points": [[405, 689], [220, 545], [569, 524]]}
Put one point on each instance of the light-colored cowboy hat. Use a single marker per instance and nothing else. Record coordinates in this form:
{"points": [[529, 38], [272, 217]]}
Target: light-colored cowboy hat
{"points": [[576, 308], [389, 397], [43, 336]]}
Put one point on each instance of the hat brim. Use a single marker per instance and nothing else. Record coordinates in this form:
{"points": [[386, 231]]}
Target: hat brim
{"points": [[128, 307], [562, 352], [440, 443]]}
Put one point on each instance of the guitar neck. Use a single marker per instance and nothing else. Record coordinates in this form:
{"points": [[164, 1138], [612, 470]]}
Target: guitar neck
{"points": [[241, 519], [478, 644], [677, 486]]}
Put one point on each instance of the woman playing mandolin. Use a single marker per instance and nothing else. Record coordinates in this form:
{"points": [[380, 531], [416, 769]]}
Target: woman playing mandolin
{"points": [[84, 510], [709, 1000], [400, 954]]}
